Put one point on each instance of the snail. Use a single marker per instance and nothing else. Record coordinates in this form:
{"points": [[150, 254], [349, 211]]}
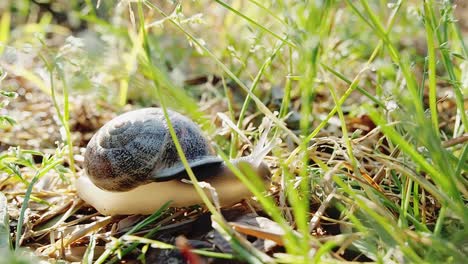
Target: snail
{"points": [[132, 165]]}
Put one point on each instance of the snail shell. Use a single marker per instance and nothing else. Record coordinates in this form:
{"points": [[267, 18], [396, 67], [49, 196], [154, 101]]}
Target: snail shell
{"points": [[132, 166], [136, 148]]}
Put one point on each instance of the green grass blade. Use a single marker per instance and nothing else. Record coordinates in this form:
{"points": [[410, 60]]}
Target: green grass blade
{"points": [[431, 67], [5, 239], [88, 256], [227, 6], [27, 197], [24, 206], [5, 22], [103, 258]]}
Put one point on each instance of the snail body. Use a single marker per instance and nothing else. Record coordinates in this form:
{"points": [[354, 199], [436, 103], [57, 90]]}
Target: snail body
{"points": [[132, 165]]}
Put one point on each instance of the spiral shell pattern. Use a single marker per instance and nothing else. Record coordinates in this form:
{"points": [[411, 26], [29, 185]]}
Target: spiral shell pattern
{"points": [[136, 148]]}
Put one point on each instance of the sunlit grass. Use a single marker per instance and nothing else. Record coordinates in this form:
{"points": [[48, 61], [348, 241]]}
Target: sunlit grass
{"points": [[400, 196]]}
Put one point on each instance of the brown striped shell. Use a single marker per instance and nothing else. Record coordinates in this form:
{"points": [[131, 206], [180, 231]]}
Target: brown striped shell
{"points": [[136, 148]]}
